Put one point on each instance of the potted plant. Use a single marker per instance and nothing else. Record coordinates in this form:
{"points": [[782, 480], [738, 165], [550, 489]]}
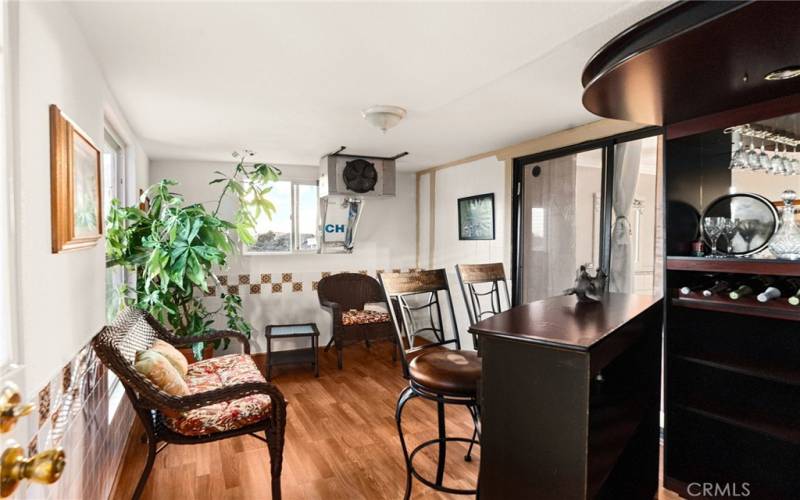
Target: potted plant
{"points": [[173, 248]]}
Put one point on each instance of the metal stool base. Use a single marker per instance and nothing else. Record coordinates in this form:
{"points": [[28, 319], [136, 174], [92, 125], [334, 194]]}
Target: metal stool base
{"points": [[414, 391], [430, 483]]}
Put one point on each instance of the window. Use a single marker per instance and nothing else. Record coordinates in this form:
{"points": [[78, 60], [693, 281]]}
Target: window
{"points": [[293, 226], [113, 187]]}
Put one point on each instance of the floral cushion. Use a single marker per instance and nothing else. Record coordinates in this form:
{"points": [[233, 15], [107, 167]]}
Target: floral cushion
{"points": [[216, 373], [356, 317]]}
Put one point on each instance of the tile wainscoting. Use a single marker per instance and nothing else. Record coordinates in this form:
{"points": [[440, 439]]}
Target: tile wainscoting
{"points": [[280, 298], [83, 410]]}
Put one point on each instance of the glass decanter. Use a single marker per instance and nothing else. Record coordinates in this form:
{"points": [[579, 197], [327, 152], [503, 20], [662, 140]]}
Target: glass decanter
{"points": [[785, 244]]}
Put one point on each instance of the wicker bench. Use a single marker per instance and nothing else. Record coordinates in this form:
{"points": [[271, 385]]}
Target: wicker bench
{"points": [[135, 330]]}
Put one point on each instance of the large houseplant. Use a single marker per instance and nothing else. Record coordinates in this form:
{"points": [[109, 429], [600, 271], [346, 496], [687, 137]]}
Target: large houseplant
{"points": [[173, 247]]}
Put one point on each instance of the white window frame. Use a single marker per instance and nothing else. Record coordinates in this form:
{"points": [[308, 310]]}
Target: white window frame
{"points": [[295, 223], [10, 345], [122, 167]]}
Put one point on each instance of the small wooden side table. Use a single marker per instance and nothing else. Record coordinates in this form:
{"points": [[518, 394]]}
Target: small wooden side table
{"points": [[295, 356]]}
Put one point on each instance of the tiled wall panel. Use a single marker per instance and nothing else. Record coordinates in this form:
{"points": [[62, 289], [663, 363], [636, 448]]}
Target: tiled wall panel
{"points": [[84, 411]]}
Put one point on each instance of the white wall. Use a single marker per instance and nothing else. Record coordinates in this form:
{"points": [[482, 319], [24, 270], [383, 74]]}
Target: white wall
{"points": [[386, 240], [487, 175], [61, 297]]}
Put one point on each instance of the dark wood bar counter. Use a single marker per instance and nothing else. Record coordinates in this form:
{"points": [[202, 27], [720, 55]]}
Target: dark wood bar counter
{"points": [[570, 399]]}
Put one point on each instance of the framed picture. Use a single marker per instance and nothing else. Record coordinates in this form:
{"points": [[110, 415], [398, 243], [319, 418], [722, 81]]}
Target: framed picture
{"points": [[476, 217], [76, 204]]}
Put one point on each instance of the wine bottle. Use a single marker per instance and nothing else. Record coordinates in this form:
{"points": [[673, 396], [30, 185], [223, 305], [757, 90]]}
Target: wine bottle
{"points": [[749, 286], [795, 299], [783, 288], [721, 286], [707, 282]]}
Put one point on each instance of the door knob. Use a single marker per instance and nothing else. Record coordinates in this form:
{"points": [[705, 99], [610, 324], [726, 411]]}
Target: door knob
{"points": [[45, 467], [11, 407]]}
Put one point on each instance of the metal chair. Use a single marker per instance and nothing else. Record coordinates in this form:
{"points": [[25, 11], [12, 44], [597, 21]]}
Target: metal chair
{"points": [[438, 374], [470, 275]]}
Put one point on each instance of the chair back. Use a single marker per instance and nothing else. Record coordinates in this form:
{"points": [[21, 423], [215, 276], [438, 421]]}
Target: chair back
{"points": [[117, 344], [488, 277], [418, 295], [350, 290]]}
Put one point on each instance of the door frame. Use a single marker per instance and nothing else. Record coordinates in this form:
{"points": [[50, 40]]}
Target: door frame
{"points": [[520, 165]]}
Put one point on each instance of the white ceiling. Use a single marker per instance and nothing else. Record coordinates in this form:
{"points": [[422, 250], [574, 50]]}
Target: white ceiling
{"points": [[288, 80]]}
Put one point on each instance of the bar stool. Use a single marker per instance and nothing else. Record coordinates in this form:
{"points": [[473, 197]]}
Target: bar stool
{"points": [[470, 275], [442, 375]]}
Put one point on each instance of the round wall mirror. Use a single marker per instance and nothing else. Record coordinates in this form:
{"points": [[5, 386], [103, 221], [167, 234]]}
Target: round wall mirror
{"points": [[757, 221]]}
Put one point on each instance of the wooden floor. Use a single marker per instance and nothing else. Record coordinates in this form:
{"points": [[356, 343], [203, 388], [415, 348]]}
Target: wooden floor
{"points": [[341, 442]]}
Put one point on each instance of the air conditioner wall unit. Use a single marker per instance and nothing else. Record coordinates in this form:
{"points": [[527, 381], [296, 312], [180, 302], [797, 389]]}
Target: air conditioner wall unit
{"points": [[357, 176]]}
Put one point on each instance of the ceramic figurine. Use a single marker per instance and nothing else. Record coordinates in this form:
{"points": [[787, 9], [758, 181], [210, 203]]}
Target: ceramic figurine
{"points": [[588, 288]]}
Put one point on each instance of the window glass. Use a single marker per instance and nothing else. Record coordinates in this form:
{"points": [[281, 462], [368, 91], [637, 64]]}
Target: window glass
{"points": [[112, 188], [307, 205], [275, 234]]}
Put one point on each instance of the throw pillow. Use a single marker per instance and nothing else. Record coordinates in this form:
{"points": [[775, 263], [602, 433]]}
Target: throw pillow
{"points": [[159, 371], [173, 355]]}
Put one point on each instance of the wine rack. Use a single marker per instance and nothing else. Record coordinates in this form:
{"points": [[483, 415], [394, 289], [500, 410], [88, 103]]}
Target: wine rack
{"points": [[732, 375], [768, 267], [747, 306]]}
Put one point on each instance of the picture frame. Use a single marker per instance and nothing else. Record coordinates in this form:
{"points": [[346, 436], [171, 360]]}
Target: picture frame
{"points": [[476, 217], [75, 186]]}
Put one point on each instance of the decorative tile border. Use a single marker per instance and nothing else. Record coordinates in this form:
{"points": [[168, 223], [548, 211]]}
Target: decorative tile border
{"points": [[263, 283], [44, 404], [75, 413]]}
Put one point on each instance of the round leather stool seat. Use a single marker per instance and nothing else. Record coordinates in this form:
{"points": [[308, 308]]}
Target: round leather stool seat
{"points": [[447, 372]]}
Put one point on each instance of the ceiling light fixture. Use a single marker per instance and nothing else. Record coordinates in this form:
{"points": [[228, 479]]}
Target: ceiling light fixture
{"points": [[783, 73], [383, 117]]}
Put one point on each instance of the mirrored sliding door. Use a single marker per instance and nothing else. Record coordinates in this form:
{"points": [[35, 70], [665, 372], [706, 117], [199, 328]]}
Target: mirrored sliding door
{"points": [[595, 204], [561, 221]]}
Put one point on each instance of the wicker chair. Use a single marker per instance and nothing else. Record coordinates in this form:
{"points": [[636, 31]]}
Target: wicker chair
{"points": [[344, 296], [134, 330]]}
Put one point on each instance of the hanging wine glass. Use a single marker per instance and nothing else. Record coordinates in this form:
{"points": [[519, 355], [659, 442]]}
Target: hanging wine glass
{"points": [[776, 162], [787, 162], [739, 157], [763, 157], [752, 156], [795, 162]]}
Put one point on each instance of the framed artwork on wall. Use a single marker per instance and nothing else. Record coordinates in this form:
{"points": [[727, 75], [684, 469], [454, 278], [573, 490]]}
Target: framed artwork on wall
{"points": [[75, 189], [476, 217]]}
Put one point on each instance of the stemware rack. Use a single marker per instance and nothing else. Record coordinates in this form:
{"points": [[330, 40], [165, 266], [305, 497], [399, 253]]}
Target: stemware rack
{"points": [[764, 134]]}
